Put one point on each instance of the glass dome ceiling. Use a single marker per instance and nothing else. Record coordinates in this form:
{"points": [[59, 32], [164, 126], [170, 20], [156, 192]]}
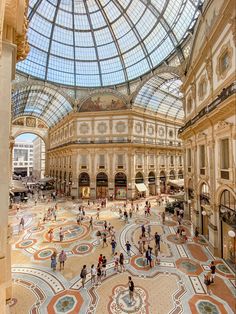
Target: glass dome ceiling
{"points": [[91, 43]]}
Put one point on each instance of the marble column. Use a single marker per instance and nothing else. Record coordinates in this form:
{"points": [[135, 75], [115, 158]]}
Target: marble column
{"points": [[7, 66]]}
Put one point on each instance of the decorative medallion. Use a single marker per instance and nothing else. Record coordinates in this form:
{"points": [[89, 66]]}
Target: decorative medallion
{"points": [[120, 127], [65, 302], [84, 128], [138, 127], [102, 127], [82, 248], [150, 130], [120, 301], [25, 243], [44, 254], [206, 307]]}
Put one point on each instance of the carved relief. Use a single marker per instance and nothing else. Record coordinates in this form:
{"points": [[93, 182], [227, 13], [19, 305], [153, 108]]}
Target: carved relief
{"points": [[150, 130], [224, 61], [19, 121], [209, 68], [161, 132], [31, 122], [193, 90], [222, 125], [120, 127], [41, 125], [84, 128], [138, 127], [102, 127]]}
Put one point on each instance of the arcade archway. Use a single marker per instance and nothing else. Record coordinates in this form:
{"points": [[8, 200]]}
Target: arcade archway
{"points": [[152, 183], [102, 185], [84, 185], [120, 186]]}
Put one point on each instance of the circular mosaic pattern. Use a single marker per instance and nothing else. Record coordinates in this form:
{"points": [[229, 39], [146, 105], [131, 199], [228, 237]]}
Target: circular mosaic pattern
{"points": [[71, 233], [25, 243], [44, 254], [223, 269], [120, 302], [82, 248], [206, 307], [174, 239], [141, 221], [65, 304], [35, 229], [98, 223]]}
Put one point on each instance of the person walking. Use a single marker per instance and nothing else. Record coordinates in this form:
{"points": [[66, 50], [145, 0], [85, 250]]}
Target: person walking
{"points": [[98, 213], [116, 261], [93, 274], [128, 248], [113, 246], [149, 231], [105, 224], [50, 233], [163, 215], [121, 261], [104, 240], [54, 261], [62, 258], [61, 234], [104, 266], [213, 271], [143, 230], [207, 282], [157, 240], [22, 224], [99, 273], [83, 275], [131, 290], [91, 223], [98, 234]]}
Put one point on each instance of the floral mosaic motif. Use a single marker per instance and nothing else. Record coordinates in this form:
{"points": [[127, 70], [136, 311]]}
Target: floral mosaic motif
{"points": [[45, 253], [102, 127], [120, 127], [65, 304], [141, 221], [140, 262], [84, 128], [25, 243], [206, 307], [223, 268], [120, 301]]}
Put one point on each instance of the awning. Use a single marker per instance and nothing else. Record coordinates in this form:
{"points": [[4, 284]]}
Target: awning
{"points": [[179, 182], [178, 196], [141, 187]]}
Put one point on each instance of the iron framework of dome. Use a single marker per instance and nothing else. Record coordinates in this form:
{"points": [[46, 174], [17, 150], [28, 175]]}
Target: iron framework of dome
{"points": [[92, 43]]}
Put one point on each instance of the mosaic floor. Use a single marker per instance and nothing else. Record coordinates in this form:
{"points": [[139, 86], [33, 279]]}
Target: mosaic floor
{"points": [[175, 285]]}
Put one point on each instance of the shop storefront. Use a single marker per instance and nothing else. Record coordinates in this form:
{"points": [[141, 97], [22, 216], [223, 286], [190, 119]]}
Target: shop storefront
{"points": [[204, 205], [152, 183], [120, 186], [102, 185], [84, 185], [140, 187], [162, 182], [227, 212]]}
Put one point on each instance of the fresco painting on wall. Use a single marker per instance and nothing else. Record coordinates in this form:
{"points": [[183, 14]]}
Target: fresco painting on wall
{"points": [[103, 103]]}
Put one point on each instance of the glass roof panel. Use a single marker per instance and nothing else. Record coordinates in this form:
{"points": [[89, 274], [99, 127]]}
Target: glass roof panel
{"points": [[162, 95], [103, 32], [40, 101]]}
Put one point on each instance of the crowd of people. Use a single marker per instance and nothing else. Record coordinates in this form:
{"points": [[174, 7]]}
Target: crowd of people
{"points": [[148, 244]]}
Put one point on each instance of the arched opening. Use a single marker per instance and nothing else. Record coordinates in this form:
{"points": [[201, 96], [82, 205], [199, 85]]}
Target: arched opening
{"points": [[102, 185], [172, 175], [140, 186], [227, 212], [204, 204], [120, 186], [84, 185], [162, 182], [28, 157], [152, 183], [64, 184], [180, 174], [69, 183]]}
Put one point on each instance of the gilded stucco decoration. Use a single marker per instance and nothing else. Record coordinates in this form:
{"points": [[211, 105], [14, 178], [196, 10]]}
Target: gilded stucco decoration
{"points": [[14, 25], [138, 127], [102, 127], [209, 68], [202, 87], [120, 127], [150, 130], [84, 128]]}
